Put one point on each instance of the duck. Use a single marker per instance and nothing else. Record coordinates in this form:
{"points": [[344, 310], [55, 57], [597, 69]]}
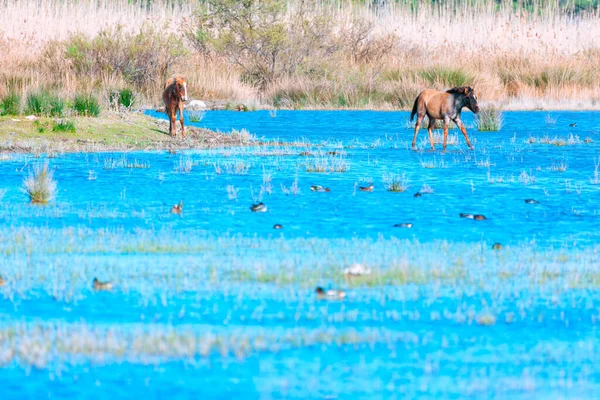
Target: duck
{"points": [[357, 270], [177, 208], [531, 201], [331, 294], [418, 194], [102, 286], [259, 207], [277, 226], [367, 188], [573, 125], [465, 215], [479, 217], [403, 225], [497, 246], [319, 188]]}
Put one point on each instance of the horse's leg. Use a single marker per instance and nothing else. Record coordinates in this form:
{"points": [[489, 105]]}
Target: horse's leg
{"points": [[430, 132], [446, 121], [181, 118], [417, 127], [172, 126], [464, 131]]}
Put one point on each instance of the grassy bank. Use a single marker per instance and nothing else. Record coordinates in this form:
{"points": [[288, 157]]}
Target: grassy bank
{"points": [[111, 131], [306, 54]]}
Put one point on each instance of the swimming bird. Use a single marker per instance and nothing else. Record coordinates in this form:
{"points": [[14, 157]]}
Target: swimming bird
{"points": [[367, 188], [418, 194], [259, 207], [357, 270], [331, 294], [497, 246], [573, 125], [465, 215], [277, 226], [177, 208], [479, 217], [531, 201], [403, 225], [102, 286], [319, 188]]}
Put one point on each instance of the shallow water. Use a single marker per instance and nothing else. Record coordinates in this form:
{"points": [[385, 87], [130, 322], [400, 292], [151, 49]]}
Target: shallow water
{"points": [[215, 303]]}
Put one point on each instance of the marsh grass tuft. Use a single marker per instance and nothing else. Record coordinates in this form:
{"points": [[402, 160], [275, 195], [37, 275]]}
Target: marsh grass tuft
{"points": [[489, 120], [87, 105], [10, 104], [44, 103], [63, 125], [196, 115], [395, 182], [40, 185]]}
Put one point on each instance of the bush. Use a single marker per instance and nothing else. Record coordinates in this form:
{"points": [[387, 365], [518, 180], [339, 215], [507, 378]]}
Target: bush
{"points": [[141, 59], [86, 105], [45, 103], [39, 185], [265, 38], [63, 126], [11, 104]]}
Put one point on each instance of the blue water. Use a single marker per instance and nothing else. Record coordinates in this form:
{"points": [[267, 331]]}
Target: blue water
{"points": [[215, 303]]}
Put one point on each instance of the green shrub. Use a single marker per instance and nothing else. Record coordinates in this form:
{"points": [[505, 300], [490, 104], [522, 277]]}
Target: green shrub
{"points": [[127, 98], [11, 104], [45, 103], [63, 126], [86, 105]]}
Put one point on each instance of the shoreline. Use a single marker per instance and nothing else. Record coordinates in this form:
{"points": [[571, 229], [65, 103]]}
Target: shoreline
{"points": [[129, 131]]}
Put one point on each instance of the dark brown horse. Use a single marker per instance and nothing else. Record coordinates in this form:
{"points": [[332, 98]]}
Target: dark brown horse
{"points": [[174, 96], [445, 106]]}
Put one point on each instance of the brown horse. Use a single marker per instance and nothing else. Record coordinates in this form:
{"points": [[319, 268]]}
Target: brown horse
{"points": [[174, 96], [445, 106]]}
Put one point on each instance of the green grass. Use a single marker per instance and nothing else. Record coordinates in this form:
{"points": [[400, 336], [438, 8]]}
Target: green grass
{"points": [[87, 105], [44, 103], [10, 104], [446, 77], [64, 125]]}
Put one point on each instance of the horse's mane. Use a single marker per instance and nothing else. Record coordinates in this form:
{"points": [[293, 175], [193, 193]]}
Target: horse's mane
{"points": [[460, 89], [174, 79]]}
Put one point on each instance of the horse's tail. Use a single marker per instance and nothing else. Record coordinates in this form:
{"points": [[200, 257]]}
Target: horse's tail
{"points": [[415, 107]]}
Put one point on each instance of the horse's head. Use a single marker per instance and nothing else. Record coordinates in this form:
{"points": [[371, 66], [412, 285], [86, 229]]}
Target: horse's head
{"points": [[181, 88], [471, 99]]}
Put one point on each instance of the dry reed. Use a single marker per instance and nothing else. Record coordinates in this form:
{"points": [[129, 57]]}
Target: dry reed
{"points": [[378, 57]]}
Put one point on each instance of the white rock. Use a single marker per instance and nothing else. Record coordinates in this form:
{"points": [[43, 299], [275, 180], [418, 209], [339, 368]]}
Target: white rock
{"points": [[357, 270], [196, 105]]}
